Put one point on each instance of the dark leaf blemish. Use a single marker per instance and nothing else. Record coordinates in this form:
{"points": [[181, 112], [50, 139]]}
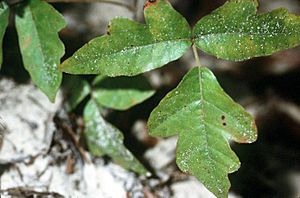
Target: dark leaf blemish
{"points": [[149, 3]]}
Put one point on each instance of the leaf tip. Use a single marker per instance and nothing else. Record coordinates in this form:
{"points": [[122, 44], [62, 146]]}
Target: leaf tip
{"points": [[253, 138], [250, 135], [51, 97]]}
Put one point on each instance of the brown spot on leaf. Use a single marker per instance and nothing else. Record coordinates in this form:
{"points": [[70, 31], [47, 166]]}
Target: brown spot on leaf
{"points": [[243, 140], [223, 120], [108, 29], [150, 3], [254, 126], [27, 42]]}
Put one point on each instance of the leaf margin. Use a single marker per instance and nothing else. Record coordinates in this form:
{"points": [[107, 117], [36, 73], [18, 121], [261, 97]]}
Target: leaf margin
{"points": [[243, 51], [48, 78], [158, 113]]}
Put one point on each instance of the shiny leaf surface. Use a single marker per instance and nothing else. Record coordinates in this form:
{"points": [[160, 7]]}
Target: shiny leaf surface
{"points": [[37, 25], [4, 12], [205, 118], [121, 93], [131, 48], [104, 139], [236, 32]]}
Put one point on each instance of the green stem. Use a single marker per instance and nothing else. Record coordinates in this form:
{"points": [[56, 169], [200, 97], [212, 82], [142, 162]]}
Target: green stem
{"points": [[196, 55]]}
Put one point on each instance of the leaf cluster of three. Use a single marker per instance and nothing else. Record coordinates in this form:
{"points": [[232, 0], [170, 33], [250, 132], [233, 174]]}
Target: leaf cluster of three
{"points": [[198, 110], [119, 93]]}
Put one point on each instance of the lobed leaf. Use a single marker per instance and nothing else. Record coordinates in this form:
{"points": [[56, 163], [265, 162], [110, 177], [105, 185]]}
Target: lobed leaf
{"points": [[103, 138], [236, 32], [131, 48], [121, 93], [37, 25], [4, 13], [205, 118]]}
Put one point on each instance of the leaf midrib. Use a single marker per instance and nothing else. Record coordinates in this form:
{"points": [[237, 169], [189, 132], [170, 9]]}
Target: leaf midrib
{"points": [[138, 47], [34, 18], [200, 36], [202, 116]]}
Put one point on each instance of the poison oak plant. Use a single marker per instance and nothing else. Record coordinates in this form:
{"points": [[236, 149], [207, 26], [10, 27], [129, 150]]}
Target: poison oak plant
{"points": [[198, 110]]}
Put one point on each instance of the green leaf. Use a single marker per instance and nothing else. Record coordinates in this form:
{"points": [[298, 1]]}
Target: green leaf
{"points": [[205, 118], [103, 138], [235, 32], [4, 13], [131, 48], [37, 24], [121, 93], [77, 90]]}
